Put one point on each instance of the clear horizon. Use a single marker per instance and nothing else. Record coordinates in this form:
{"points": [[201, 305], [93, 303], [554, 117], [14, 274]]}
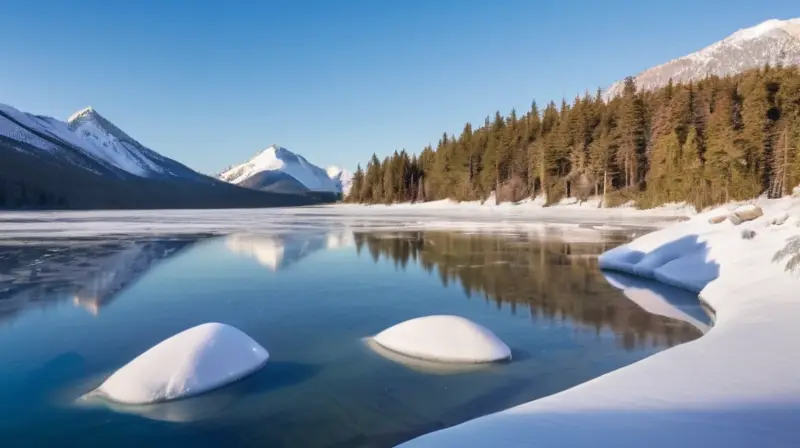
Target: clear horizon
{"points": [[209, 85]]}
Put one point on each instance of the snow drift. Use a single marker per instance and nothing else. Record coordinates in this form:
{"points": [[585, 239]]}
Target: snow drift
{"points": [[736, 386], [194, 361], [449, 339]]}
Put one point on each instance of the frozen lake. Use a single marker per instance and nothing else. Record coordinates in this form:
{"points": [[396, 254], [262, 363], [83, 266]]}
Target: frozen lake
{"points": [[80, 297]]}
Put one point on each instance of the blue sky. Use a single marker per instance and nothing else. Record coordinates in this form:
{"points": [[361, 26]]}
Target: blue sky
{"points": [[210, 83]]}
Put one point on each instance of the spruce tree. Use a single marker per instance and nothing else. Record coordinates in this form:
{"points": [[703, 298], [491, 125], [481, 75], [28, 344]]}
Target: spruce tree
{"points": [[357, 186], [632, 135], [722, 156]]}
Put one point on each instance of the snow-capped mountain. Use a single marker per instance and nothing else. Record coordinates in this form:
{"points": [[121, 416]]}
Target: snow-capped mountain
{"points": [[275, 164], [88, 162], [91, 142], [342, 178], [109, 143], [772, 42]]}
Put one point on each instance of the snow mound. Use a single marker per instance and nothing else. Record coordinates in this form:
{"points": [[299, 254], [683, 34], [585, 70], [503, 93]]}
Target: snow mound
{"points": [[735, 386], [444, 339], [277, 158], [194, 361]]}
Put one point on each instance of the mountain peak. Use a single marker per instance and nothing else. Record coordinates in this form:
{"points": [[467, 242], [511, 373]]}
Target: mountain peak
{"points": [[272, 153], [90, 117], [87, 111], [790, 26]]}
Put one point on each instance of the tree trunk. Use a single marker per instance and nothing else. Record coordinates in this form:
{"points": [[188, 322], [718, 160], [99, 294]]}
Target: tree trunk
{"points": [[605, 183], [784, 180], [497, 183]]}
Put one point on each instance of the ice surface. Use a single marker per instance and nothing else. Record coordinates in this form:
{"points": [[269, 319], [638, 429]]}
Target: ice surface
{"points": [[194, 361], [450, 339], [737, 386], [573, 222]]}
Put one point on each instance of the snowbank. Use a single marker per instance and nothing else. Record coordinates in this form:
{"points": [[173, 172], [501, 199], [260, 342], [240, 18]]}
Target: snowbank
{"points": [[449, 339], [592, 205], [194, 361], [736, 386]]}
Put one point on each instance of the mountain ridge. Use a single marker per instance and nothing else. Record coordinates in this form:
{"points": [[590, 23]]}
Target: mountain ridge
{"points": [[88, 162], [773, 42]]}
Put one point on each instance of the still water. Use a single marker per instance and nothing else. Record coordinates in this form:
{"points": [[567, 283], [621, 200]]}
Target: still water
{"points": [[72, 312]]}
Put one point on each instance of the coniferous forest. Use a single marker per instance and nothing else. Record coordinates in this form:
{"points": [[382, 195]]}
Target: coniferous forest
{"points": [[706, 143]]}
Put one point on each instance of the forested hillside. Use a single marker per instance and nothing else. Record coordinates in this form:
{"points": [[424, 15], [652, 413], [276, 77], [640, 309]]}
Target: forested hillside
{"points": [[717, 140]]}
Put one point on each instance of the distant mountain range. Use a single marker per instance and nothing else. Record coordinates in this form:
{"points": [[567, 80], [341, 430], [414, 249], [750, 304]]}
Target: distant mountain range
{"points": [[772, 42], [278, 170], [88, 162]]}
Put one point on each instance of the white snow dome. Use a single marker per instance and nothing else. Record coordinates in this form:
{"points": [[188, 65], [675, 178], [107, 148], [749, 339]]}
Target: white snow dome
{"points": [[194, 361], [451, 339]]}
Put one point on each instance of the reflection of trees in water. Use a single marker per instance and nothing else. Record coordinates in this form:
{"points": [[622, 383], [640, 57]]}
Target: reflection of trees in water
{"points": [[553, 280]]}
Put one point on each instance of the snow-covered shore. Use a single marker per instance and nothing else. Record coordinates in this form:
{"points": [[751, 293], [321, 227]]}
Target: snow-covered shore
{"points": [[739, 385]]}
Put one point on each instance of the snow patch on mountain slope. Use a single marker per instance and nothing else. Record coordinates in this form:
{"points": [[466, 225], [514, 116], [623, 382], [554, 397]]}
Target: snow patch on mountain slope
{"points": [[277, 158], [89, 134], [791, 27], [14, 132], [341, 177], [103, 145], [772, 42]]}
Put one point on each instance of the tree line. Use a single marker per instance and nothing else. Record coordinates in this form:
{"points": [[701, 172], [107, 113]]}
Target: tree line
{"points": [[705, 143]]}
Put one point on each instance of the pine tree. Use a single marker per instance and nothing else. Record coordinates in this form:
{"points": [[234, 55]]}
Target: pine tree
{"points": [[689, 178], [722, 154], [756, 126], [663, 168], [357, 186], [632, 135]]}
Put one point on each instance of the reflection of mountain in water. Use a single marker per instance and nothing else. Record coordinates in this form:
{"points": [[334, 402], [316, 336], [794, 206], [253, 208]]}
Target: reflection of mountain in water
{"points": [[92, 273], [551, 279], [280, 251]]}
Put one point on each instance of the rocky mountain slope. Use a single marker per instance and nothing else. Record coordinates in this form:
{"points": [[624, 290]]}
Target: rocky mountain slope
{"points": [[772, 42]]}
